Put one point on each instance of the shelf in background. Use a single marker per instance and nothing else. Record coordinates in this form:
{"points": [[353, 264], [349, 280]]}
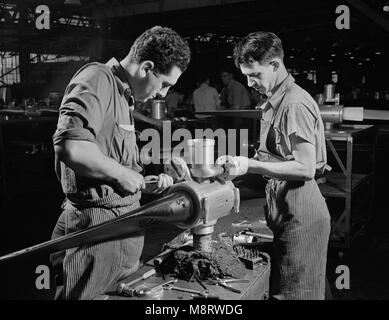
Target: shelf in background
{"points": [[335, 185]]}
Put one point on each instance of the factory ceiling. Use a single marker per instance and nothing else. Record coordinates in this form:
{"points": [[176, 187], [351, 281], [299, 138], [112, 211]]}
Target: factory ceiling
{"points": [[84, 25]]}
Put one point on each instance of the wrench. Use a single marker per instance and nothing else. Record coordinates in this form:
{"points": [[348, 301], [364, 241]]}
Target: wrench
{"points": [[203, 293]]}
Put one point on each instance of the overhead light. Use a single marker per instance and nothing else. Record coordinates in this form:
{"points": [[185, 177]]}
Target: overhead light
{"points": [[333, 55], [72, 2], [229, 57], [352, 57], [360, 63], [378, 52], [367, 59], [385, 7], [312, 59], [291, 57], [330, 60]]}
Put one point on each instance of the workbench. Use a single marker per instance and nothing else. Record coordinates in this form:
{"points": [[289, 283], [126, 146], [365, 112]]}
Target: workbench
{"points": [[254, 115], [251, 214], [344, 183]]}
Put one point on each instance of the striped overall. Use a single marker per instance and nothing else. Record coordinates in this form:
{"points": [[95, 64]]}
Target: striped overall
{"points": [[97, 107], [297, 214], [90, 270]]}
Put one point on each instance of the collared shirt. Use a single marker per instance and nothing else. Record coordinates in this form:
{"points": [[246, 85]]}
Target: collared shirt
{"points": [[205, 98], [291, 110], [98, 107], [235, 96]]}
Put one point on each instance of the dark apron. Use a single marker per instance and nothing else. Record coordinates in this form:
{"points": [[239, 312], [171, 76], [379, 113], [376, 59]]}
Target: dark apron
{"points": [[297, 214]]}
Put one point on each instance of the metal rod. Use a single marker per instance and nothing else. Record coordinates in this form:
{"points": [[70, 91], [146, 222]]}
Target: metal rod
{"points": [[174, 208], [376, 114]]}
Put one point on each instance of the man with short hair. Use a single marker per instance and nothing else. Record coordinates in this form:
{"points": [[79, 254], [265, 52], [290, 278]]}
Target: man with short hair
{"points": [[205, 97], [97, 159], [234, 95], [292, 151]]}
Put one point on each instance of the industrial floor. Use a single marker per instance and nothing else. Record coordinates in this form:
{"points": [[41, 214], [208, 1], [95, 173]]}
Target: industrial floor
{"points": [[30, 221]]}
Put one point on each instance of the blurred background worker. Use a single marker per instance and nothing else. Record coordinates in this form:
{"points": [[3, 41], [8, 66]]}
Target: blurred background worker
{"points": [[205, 97], [234, 95]]}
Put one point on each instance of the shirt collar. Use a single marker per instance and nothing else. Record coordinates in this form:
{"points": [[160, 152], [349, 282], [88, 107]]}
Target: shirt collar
{"points": [[121, 79], [274, 98]]}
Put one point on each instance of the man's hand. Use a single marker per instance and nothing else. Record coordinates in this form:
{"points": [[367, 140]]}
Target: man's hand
{"points": [[130, 182], [241, 166], [164, 181], [157, 184]]}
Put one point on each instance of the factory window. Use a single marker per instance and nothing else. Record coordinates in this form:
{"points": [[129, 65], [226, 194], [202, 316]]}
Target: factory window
{"points": [[75, 20], [9, 68], [50, 58]]}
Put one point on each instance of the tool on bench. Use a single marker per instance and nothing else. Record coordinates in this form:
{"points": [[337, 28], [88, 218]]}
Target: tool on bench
{"points": [[144, 291], [203, 294], [225, 283], [126, 288], [248, 236]]}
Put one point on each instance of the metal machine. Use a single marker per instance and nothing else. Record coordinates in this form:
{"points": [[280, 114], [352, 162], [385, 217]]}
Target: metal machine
{"points": [[337, 114], [202, 197]]}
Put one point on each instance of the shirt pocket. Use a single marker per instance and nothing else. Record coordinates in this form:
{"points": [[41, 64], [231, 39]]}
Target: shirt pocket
{"points": [[123, 146]]}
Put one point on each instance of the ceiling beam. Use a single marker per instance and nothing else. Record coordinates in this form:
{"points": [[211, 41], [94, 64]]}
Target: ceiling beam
{"points": [[155, 6], [370, 13]]}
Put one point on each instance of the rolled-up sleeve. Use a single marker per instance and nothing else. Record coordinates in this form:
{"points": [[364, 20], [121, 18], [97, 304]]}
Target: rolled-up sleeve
{"points": [[84, 106], [300, 121]]}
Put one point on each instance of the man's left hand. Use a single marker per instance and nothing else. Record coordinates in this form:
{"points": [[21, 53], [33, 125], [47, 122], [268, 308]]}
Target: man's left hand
{"points": [[241, 166], [164, 181]]}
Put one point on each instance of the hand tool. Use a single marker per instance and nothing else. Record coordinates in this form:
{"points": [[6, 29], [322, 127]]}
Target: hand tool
{"points": [[151, 183], [155, 289], [125, 288], [201, 284], [173, 287], [225, 283], [144, 291]]}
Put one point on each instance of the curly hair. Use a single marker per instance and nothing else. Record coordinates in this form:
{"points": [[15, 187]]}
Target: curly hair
{"points": [[164, 47], [259, 46]]}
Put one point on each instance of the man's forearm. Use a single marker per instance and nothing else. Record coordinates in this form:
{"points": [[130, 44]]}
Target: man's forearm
{"points": [[286, 170], [86, 158]]}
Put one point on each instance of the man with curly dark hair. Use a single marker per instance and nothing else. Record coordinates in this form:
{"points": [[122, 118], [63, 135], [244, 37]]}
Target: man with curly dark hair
{"points": [[97, 159]]}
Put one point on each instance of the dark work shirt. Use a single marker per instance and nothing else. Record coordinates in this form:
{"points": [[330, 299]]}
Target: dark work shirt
{"points": [[98, 107]]}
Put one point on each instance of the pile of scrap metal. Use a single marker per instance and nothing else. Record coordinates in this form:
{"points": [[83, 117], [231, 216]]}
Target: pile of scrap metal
{"points": [[189, 264]]}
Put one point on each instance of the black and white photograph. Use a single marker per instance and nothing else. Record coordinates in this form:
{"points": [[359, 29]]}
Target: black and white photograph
{"points": [[192, 157]]}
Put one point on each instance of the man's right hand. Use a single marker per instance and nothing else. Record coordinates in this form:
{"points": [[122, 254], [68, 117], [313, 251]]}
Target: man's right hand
{"points": [[130, 182]]}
